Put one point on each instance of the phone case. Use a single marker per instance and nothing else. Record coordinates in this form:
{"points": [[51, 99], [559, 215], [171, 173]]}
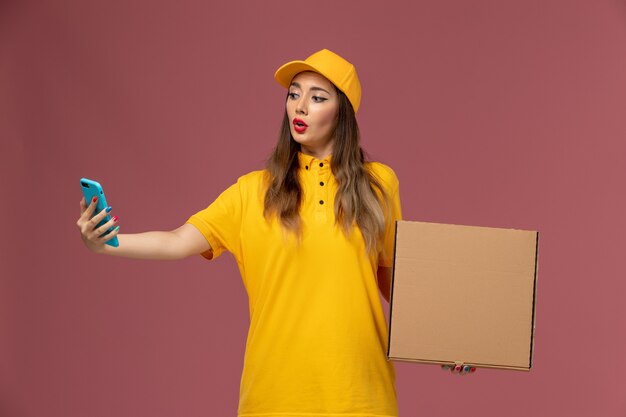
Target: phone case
{"points": [[90, 189]]}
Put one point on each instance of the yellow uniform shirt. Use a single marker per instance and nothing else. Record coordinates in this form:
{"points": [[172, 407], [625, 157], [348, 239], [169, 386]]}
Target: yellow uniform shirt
{"points": [[317, 340]]}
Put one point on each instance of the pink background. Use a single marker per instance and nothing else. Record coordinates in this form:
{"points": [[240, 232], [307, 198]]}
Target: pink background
{"points": [[493, 113]]}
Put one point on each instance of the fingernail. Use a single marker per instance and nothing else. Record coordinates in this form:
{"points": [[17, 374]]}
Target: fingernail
{"points": [[116, 228], [94, 199], [114, 218], [108, 209]]}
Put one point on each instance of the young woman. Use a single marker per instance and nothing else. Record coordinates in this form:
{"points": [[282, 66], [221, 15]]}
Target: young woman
{"points": [[312, 235]]}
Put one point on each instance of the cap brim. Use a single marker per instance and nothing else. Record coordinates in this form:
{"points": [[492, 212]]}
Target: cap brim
{"points": [[285, 74]]}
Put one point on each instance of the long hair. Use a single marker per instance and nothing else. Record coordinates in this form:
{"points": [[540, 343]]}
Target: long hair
{"points": [[360, 198]]}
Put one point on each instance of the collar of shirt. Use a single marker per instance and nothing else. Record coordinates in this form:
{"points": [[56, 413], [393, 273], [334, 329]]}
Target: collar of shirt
{"points": [[311, 164]]}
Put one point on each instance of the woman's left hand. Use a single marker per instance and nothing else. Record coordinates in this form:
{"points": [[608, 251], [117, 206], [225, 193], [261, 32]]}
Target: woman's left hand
{"points": [[459, 368]]}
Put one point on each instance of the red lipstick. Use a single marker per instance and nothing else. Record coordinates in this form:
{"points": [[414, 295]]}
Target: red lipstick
{"points": [[299, 125]]}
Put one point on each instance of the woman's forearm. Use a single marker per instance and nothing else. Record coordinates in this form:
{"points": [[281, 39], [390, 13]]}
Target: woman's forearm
{"points": [[146, 245]]}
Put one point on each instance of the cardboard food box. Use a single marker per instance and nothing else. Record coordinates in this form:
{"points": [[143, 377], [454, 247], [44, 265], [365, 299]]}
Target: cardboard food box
{"points": [[463, 294]]}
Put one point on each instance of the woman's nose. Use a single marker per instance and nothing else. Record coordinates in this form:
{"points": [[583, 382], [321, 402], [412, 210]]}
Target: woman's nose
{"points": [[301, 106]]}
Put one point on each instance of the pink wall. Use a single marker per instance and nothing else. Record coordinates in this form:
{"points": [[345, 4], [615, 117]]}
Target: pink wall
{"points": [[503, 114]]}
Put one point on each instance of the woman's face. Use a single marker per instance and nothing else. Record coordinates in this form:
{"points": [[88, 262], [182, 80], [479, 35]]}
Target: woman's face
{"points": [[312, 106]]}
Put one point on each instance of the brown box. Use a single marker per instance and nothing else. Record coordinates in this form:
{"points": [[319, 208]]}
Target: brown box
{"points": [[463, 294]]}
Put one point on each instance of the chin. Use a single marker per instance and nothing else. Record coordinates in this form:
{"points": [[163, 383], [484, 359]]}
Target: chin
{"points": [[304, 142], [299, 138], [308, 141]]}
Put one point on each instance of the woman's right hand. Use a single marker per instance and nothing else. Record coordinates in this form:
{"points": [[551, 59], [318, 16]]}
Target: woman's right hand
{"points": [[88, 232]]}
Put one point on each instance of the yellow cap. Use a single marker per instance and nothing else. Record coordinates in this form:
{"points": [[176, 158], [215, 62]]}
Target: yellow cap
{"points": [[339, 71]]}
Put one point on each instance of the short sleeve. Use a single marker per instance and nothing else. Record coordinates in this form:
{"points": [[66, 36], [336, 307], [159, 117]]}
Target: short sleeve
{"points": [[393, 213], [220, 222]]}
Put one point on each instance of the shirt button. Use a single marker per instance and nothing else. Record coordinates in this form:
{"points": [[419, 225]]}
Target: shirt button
{"points": [[306, 167], [321, 164], [321, 201], [322, 183]]}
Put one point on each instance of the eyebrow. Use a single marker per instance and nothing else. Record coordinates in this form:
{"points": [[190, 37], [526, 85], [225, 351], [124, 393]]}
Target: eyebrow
{"points": [[312, 88]]}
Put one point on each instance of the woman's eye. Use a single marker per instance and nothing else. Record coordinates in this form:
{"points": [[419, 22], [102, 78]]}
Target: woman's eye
{"points": [[318, 99], [292, 96]]}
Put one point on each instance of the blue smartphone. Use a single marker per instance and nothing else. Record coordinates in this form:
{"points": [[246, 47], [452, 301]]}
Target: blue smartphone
{"points": [[90, 189]]}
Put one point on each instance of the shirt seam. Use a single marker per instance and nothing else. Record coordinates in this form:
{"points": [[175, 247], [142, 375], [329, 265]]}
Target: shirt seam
{"points": [[316, 414]]}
